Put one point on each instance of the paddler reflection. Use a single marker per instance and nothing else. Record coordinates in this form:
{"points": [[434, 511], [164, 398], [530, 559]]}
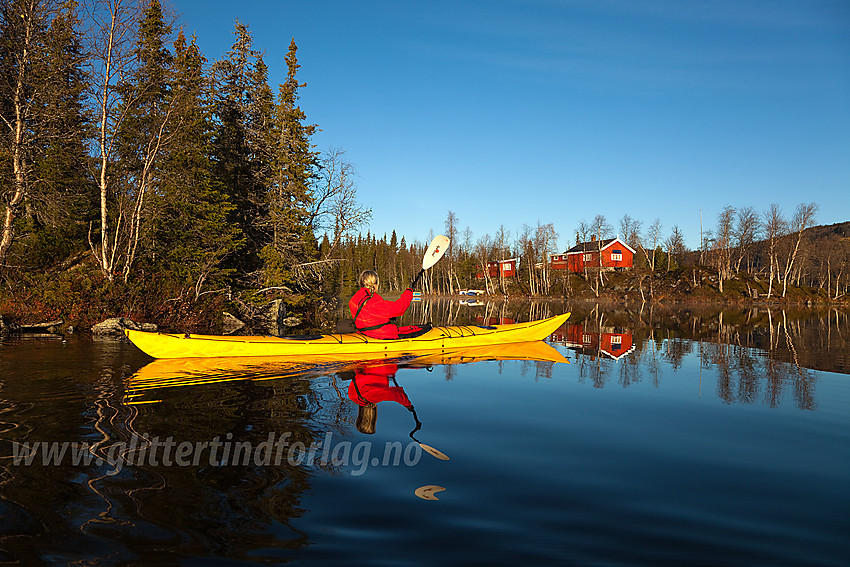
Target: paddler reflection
{"points": [[369, 386], [374, 383]]}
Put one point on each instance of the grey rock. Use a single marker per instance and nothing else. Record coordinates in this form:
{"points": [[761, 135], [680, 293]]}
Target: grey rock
{"points": [[231, 324], [116, 326], [270, 319], [46, 327]]}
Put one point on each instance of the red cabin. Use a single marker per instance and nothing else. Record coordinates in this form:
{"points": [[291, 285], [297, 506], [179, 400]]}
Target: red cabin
{"points": [[609, 254], [508, 268], [505, 268]]}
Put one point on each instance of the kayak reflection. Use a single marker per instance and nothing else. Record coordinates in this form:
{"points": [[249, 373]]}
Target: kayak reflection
{"points": [[145, 385]]}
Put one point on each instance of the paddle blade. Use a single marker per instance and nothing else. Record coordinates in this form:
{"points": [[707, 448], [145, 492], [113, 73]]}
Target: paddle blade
{"points": [[435, 251], [427, 492], [432, 451]]}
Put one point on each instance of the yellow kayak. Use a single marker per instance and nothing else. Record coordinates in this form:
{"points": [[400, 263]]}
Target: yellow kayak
{"points": [[165, 345]]}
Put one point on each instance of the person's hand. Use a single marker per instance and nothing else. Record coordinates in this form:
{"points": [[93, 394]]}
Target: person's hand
{"points": [[416, 279]]}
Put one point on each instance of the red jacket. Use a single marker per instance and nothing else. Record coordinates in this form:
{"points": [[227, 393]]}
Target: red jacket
{"points": [[372, 385], [378, 311]]}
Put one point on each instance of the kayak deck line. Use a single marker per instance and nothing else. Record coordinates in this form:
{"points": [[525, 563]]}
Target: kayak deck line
{"points": [[168, 345], [340, 338]]}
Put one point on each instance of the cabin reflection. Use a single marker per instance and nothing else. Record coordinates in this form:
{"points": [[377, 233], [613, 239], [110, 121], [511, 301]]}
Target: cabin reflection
{"points": [[488, 321], [593, 341]]}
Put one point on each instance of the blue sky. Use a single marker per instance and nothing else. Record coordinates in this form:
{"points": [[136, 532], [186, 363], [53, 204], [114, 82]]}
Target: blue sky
{"points": [[511, 113]]}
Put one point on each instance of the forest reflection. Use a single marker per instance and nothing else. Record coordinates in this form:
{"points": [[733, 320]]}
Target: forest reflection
{"points": [[758, 354]]}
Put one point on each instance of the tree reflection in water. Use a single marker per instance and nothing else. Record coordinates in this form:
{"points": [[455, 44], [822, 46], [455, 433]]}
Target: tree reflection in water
{"points": [[758, 354]]}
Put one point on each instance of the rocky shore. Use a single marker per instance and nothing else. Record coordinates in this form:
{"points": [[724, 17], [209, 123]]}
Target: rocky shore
{"points": [[269, 319]]}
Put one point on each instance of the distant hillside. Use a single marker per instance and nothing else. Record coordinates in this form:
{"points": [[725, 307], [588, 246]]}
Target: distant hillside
{"points": [[823, 258], [816, 234], [840, 230]]}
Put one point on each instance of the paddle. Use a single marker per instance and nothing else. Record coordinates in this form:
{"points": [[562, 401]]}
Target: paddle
{"points": [[435, 251], [427, 448]]}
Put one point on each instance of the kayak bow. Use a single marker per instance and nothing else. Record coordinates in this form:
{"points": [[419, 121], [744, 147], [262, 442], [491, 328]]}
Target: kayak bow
{"points": [[165, 345]]}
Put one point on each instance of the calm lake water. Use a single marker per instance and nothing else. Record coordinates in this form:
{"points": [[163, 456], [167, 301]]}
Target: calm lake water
{"points": [[671, 437]]}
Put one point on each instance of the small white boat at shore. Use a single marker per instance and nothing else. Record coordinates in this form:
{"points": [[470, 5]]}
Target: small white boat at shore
{"points": [[471, 292]]}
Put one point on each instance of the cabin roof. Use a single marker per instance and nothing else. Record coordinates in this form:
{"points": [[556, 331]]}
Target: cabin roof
{"points": [[593, 246]]}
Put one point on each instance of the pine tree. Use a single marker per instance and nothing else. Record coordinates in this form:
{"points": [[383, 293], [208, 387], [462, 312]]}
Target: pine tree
{"points": [[241, 144], [294, 170], [192, 234]]}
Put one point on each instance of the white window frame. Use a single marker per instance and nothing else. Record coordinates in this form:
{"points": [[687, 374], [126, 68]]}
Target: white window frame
{"points": [[588, 257], [616, 340], [616, 257]]}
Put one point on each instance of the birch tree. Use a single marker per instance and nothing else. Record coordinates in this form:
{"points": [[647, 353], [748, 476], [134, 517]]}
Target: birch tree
{"points": [[775, 227], [335, 207], [503, 236], [582, 232], [723, 244], [630, 231], [675, 244], [545, 240], [803, 218], [483, 249], [600, 228], [450, 225], [652, 239], [112, 35], [149, 99], [747, 228]]}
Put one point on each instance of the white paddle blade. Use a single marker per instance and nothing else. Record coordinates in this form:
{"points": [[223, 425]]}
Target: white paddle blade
{"points": [[435, 251]]}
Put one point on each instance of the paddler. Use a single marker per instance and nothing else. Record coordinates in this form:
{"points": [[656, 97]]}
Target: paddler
{"points": [[373, 314]]}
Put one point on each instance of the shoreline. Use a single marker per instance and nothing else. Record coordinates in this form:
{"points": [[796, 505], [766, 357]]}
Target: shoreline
{"points": [[685, 289]]}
